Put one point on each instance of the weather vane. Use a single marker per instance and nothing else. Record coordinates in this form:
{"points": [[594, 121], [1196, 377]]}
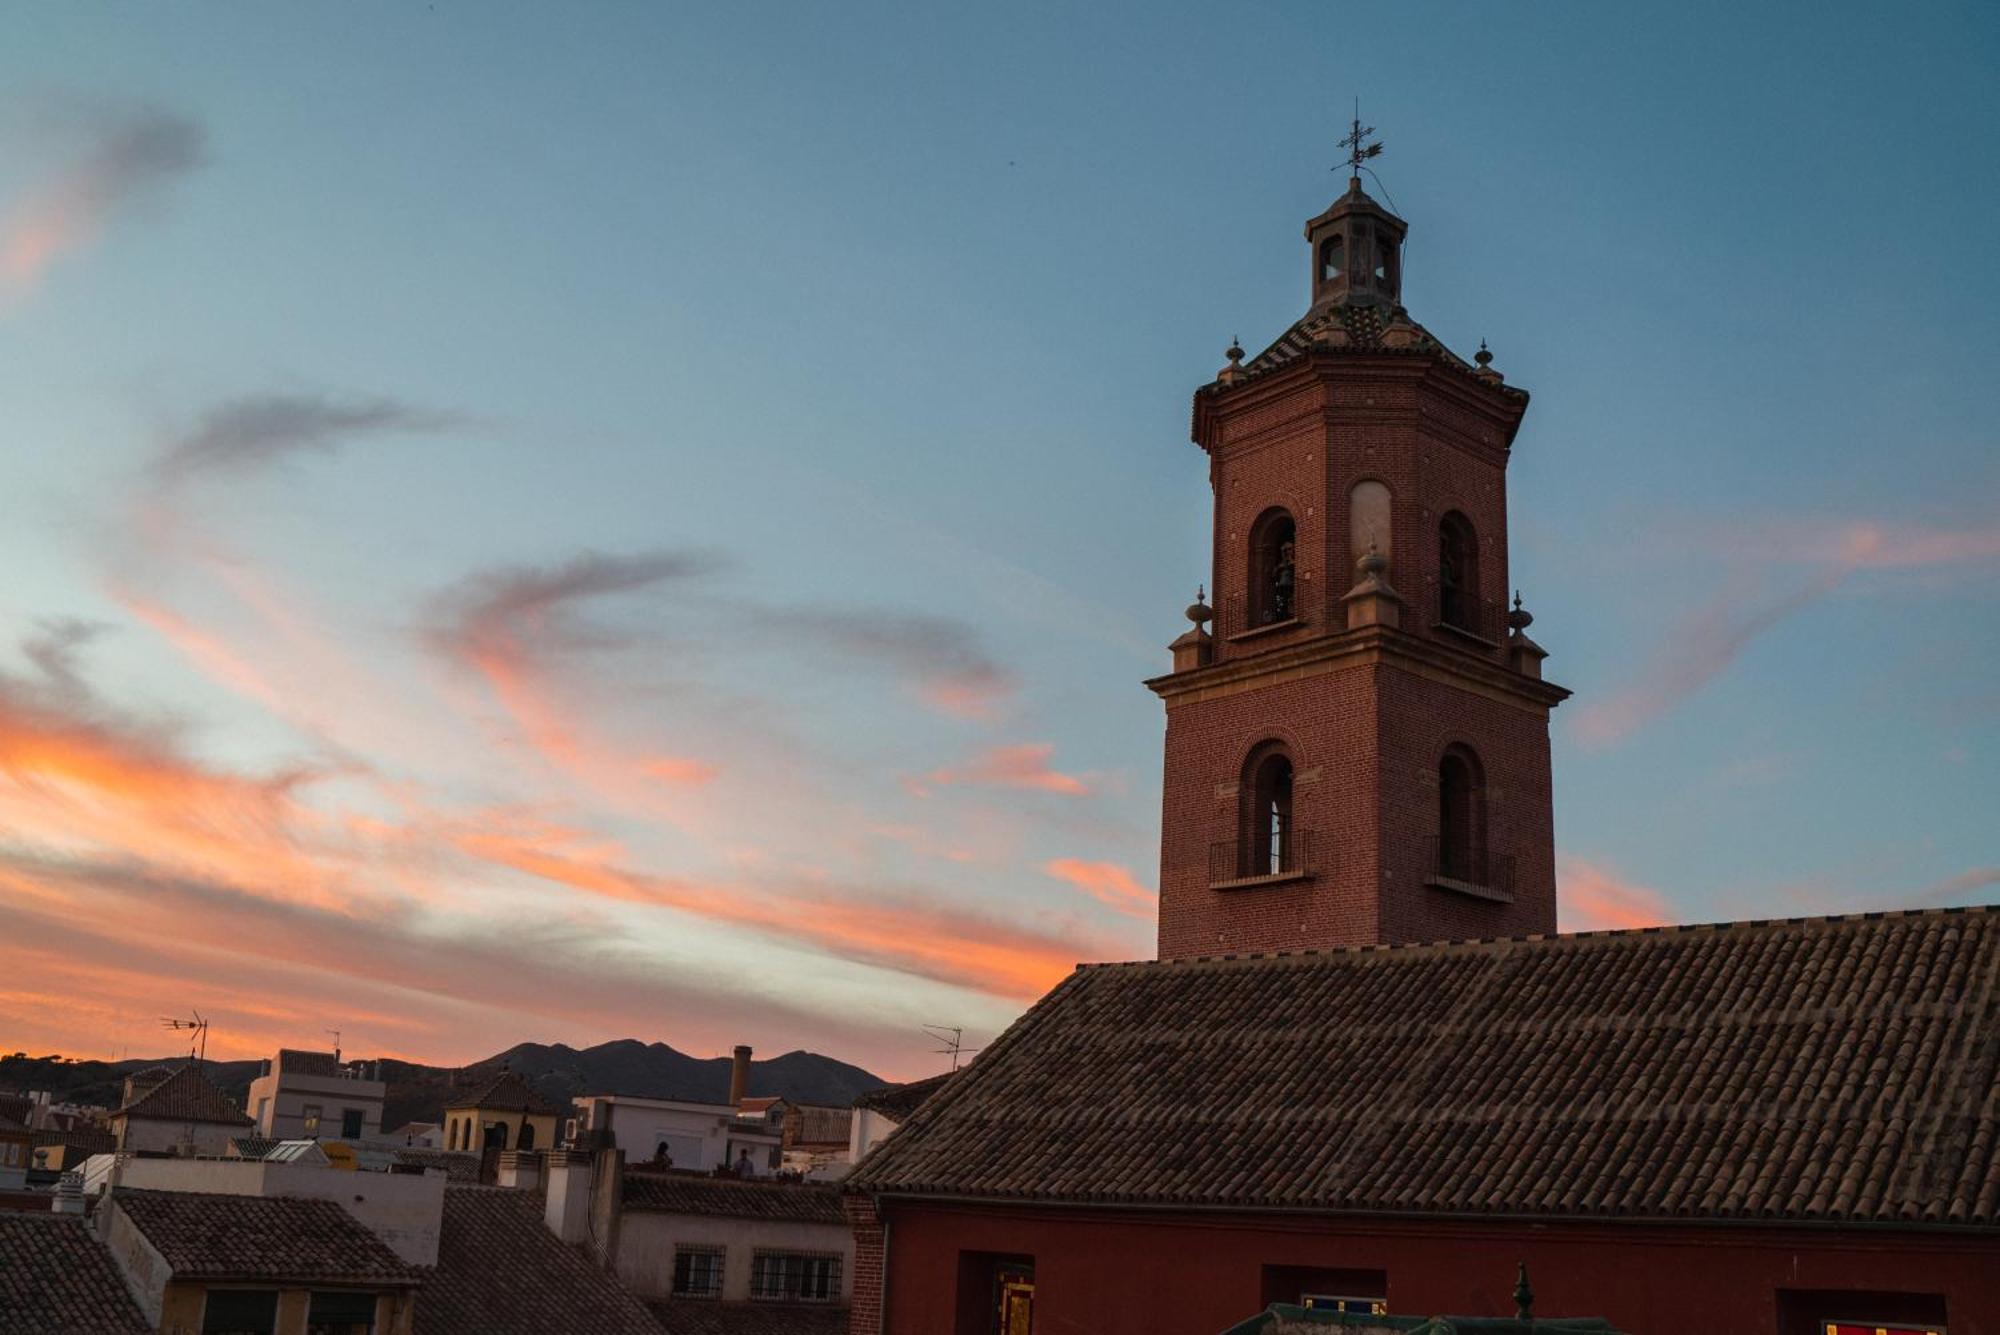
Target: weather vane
{"points": [[1359, 150]]}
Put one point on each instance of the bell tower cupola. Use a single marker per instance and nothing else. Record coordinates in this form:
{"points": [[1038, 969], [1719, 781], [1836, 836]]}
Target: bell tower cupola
{"points": [[1356, 245]]}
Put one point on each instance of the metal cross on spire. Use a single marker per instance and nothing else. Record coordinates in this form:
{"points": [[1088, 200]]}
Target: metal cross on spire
{"points": [[1359, 150]]}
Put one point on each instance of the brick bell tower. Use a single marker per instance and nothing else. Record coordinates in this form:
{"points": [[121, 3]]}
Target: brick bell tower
{"points": [[1359, 752]]}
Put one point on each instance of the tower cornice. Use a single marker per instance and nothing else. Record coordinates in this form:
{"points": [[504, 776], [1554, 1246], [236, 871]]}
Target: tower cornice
{"points": [[1363, 646]]}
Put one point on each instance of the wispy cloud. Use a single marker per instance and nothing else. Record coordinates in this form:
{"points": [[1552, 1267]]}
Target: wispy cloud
{"points": [[1024, 766], [942, 659], [1591, 897], [1956, 889], [251, 432], [517, 629], [1703, 645], [1108, 883], [121, 158]]}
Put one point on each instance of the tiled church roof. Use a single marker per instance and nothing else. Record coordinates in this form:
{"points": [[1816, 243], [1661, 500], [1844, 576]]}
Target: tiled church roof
{"points": [[1356, 328], [185, 1096], [1829, 1069]]}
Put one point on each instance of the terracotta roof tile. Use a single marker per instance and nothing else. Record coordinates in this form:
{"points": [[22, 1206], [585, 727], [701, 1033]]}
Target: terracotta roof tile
{"points": [[898, 1102], [208, 1236], [699, 1194], [1815, 1069], [185, 1096], [57, 1279], [505, 1092], [500, 1268]]}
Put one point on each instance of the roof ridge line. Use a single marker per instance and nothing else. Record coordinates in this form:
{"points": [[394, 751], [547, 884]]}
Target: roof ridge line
{"points": [[1594, 934]]}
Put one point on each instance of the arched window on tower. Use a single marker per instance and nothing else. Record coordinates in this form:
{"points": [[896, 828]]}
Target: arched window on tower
{"points": [[1270, 843], [1385, 262], [496, 1136], [1273, 571], [1462, 818], [527, 1137], [1332, 257], [1458, 573]]}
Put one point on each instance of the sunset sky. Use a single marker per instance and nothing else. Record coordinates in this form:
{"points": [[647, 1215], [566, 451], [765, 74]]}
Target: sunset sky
{"points": [[530, 522]]}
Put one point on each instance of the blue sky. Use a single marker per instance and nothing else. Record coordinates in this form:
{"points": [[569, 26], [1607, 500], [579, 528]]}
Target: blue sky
{"points": [[662, 512]]}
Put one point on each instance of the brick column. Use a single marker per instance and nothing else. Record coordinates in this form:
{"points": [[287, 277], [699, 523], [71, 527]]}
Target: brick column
{"points": [[865, 1310]]}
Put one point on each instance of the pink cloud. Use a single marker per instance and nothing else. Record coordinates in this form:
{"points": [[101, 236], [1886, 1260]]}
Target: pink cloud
{"points": [[1705, 643], [1108, 883], [1024, 765], [1591, 897], [123, 158]]}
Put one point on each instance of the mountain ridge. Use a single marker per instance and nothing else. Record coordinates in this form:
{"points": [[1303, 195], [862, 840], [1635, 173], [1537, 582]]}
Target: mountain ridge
{"points": [[559, 1072]]}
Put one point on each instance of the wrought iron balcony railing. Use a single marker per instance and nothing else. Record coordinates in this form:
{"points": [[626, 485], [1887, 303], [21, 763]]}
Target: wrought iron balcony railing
{"points": [[1290, 854], [1451, 861]]}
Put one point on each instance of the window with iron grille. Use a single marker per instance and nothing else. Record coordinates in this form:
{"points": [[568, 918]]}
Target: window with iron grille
{"points": [[698, 1272], [799, 1276]]}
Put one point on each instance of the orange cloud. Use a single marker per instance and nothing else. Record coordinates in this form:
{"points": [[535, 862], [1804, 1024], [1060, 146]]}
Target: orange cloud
{"points": [[125, 157], [1592, 898], [912, 936], [1024, 766], [1108, 883]]}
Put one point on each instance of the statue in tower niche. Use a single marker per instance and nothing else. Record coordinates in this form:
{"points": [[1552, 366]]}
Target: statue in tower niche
{"points": [[1280, 605]]}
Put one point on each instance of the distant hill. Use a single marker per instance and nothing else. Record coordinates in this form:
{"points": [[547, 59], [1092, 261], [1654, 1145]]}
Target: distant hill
{"points": [[559, 1072]]}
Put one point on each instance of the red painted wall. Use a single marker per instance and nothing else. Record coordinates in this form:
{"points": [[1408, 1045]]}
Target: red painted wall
{"points": [[1107, 1273]]}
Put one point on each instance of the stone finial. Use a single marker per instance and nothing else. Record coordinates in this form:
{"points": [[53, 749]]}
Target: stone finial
{"points": [[1196, 647], [1199, 611], [1485, 359], [1520, 618], [1371, 602], [1523, 654], [1524, 1297], [1229, 374]]}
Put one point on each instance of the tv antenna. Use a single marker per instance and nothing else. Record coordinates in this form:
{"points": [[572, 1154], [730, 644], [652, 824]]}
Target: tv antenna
{"points": [[953, 1039], [336, 1045], [198, 1028]]}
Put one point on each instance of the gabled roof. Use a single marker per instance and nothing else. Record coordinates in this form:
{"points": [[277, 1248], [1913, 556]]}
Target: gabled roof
{"points": [[276, 1238], [898, 1102], [57, 1279], [185, 1096], [1828, 1069], [505, 1092], [500, 1268], [700, 1194]]}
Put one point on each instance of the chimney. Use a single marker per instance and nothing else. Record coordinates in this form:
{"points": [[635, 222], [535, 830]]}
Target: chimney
{"points": [[69, 1193], [739, 1075]]}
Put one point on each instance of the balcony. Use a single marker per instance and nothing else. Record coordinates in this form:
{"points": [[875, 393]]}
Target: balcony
{"points": [[1473, 872], [1475, 619], [1235, 864]]}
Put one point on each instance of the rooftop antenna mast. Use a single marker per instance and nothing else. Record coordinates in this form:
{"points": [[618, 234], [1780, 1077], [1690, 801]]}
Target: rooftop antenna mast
{"points": [[198, 1027], [953, 1039], [336, 1045]]}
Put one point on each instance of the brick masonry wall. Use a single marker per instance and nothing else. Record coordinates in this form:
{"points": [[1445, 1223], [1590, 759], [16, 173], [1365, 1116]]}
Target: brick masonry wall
{"points": [[1365, 740], [864, 1312]]}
